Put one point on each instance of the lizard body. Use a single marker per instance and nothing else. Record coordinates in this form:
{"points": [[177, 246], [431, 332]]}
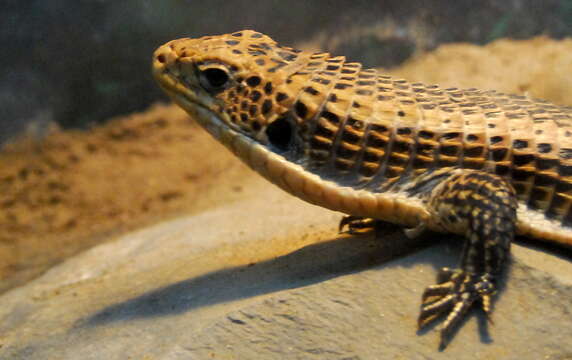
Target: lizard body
{"points": [[476, 163]]}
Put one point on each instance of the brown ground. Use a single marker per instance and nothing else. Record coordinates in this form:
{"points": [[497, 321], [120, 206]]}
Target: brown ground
{"points": [[74, 189]]}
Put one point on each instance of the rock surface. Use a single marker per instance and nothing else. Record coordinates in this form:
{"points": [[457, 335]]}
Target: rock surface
{"points": [[274, 282]]}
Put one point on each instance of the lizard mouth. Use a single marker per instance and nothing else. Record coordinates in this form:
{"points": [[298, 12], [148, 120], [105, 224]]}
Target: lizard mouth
{"points": [[180, 88], [188, 96], [179, 92]]}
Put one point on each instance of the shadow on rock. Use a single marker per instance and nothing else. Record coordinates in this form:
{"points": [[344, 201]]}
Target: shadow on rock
{"points": [[309, 265]]}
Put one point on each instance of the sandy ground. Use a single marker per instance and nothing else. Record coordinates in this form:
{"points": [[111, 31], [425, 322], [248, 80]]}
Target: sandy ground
{"points": [[69, 191], [73, 189]]}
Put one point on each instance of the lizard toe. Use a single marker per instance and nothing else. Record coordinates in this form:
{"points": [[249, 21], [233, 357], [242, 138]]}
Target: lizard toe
{"points": [[456, 292], [356, 225]]}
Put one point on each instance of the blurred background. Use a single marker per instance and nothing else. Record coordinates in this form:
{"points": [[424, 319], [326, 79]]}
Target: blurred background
{"points": [[80, 62]]}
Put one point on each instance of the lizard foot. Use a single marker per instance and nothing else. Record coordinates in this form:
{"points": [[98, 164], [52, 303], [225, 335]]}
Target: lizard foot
{"points": [[452, 297], [356, 225]]}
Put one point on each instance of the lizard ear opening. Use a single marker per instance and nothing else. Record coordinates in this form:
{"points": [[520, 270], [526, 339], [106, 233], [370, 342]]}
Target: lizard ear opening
{"points": [[280, 133]]}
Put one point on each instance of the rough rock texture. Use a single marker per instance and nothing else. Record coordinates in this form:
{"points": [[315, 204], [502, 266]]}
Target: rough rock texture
{"points": [[275, 282]]}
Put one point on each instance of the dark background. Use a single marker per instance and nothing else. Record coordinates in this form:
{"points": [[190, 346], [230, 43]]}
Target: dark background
{"points": [[80, 62]]}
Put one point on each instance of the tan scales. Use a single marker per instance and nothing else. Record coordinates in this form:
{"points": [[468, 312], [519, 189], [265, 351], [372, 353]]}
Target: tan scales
{"points": [[476, 163]]}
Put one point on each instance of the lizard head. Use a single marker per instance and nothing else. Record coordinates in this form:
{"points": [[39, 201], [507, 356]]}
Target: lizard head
{"points": [[240, 83]]}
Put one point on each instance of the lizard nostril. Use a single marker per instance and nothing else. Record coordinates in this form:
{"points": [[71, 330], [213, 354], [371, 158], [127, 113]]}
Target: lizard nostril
{"points": [[161, 58]]}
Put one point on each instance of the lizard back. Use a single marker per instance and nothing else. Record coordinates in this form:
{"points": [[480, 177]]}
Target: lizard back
{"points": [[339, 128]]}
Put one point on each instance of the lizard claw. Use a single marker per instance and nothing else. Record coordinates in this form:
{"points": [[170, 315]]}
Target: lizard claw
{"points": [[356, 225], [415, 232], [452, 297]]}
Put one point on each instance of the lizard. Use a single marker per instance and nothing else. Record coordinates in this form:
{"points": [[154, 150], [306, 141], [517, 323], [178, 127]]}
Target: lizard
{"points": [[480, 164]]}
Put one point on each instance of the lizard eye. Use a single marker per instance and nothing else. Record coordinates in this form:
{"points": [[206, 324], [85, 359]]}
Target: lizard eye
{"points": [[213, 79]]}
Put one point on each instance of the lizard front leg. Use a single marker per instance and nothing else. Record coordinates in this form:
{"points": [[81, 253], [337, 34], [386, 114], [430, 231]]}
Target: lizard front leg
{"points": [[481, 206]]}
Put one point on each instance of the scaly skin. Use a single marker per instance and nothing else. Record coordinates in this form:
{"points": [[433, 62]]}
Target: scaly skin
{"points": [[476, 163]]}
